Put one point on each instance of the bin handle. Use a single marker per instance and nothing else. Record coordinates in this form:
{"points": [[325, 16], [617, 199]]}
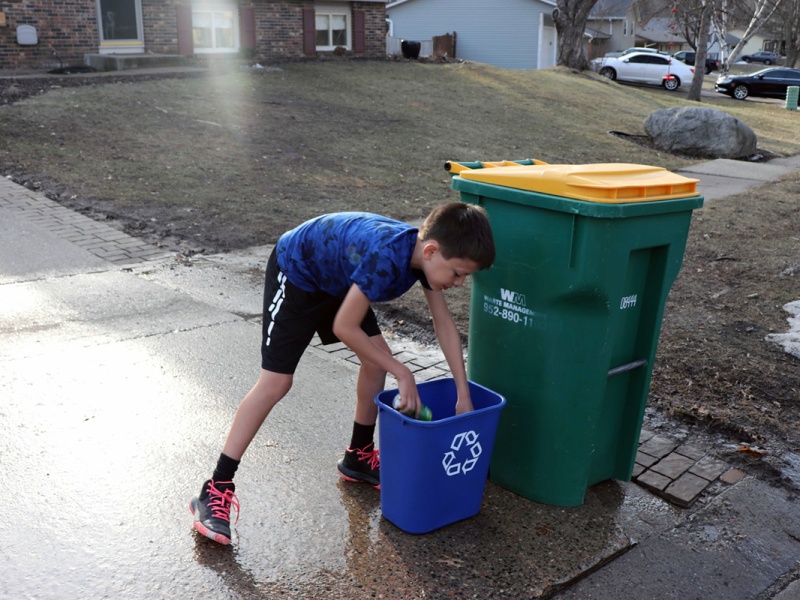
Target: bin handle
{"points": [[454, 168], [628, 367]]}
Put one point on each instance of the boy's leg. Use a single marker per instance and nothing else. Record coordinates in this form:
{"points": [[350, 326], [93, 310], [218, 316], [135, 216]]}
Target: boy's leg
{"points": [[361, 462], [211, 508], [286, 331], [371, 381], [253, 410]]}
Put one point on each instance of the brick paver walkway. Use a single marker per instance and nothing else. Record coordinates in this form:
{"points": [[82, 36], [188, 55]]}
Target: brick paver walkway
{"points": [[100, 239]]}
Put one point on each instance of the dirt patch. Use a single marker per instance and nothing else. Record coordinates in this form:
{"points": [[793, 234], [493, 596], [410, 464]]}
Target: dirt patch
{"points": [[715, 364], [16, 89], [211, 162]]}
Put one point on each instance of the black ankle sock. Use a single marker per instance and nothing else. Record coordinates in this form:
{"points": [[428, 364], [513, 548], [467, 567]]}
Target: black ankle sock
{"points": [[362, 435], [226, 468]]}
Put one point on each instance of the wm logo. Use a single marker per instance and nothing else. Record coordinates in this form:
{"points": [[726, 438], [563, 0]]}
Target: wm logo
{"points": [[513, 297]]}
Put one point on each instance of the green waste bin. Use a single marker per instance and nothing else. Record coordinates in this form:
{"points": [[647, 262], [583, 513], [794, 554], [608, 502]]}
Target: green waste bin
{"points": [[792, 97], [565, 325]]}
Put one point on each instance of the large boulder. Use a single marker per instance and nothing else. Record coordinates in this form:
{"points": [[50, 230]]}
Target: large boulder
{"points": [[700, 131]]}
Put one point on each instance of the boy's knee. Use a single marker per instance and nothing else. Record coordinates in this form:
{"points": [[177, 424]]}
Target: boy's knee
{"points": [[274, 384]]}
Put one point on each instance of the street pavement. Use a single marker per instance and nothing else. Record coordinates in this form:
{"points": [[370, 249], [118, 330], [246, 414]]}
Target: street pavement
{"points": [[121, 365]]}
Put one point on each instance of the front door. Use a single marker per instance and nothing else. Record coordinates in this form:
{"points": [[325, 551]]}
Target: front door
{"points": [[548, 43], [120, 25]]}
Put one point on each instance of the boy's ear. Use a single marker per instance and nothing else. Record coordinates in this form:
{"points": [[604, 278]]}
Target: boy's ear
{"points": [[429, 248]]}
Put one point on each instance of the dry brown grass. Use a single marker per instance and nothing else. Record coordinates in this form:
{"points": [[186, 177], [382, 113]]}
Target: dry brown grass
{"points": [[235, 158]]}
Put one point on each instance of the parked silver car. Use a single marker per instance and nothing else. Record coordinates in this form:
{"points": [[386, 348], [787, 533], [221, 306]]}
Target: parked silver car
{"points": [[768, 58], [645, 67]]}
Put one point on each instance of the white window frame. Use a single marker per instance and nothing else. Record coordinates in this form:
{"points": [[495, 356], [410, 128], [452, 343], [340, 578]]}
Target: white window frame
{"points": [[329, 10], [217, 7], [131, 46]]}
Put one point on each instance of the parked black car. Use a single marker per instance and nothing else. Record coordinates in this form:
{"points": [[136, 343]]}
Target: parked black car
{"points": [[767, 82], [768, 58], [688, 57]]}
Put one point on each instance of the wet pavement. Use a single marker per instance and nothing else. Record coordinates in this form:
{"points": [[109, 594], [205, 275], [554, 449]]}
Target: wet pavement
{"points": [[119, 375]]}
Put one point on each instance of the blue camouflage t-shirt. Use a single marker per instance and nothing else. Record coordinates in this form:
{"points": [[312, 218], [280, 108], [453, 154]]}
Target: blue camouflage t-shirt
{"points": [[332, 252]]}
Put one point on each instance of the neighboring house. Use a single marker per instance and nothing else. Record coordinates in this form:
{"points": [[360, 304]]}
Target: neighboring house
{"points": [[259, 29], [611, 27], [661, 34], [755, 44], [714, 49], [615, 25], [511, 34]]}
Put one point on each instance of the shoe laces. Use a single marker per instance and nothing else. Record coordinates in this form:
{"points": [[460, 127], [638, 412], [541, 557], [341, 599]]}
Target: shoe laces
{"points": [[220, 502], [372, 457]]}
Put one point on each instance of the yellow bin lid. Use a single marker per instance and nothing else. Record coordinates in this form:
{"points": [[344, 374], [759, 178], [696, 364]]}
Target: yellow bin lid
{"points": [[610, 183]]}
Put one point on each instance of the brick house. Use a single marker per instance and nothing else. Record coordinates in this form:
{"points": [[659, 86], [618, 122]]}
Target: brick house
{"points": [[33, 32]]}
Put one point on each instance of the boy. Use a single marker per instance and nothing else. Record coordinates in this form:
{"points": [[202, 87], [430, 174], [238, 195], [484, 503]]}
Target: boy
{"points": [[323, 276]]}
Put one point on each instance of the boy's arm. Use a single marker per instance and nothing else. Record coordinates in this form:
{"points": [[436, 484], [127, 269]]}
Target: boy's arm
{"points": [[347, 327], [450, 342]]}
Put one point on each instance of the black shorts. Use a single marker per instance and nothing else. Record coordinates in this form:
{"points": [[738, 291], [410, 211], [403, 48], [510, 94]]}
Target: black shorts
{"points": [[292, 315]]}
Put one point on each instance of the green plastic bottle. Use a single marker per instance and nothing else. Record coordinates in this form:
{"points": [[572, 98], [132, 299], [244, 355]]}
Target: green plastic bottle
{"points": [[424, 412]]}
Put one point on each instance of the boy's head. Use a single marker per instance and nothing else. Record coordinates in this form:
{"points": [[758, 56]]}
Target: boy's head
{"points": [[461, 231]]}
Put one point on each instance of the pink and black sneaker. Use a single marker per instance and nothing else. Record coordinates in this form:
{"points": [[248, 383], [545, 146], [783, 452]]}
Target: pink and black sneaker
{"points": [[212, 510], [362, 465]]}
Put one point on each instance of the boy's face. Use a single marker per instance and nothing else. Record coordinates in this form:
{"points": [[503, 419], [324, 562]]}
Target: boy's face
{"points": [[443, 273]]}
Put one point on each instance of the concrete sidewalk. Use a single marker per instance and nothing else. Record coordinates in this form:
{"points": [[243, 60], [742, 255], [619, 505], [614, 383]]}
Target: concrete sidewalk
{"points": [[122, 365], [724, 177]]}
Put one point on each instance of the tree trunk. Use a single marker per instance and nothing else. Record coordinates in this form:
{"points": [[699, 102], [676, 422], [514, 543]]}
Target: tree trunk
{"points": [[791, 32], [570, 19], [700, 54], [792, 53], [762, 11]]}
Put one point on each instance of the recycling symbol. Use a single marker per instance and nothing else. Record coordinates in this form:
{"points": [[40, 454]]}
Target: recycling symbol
{"points": [[465, 449]]}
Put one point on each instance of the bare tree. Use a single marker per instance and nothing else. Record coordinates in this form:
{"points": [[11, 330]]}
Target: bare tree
{"points": [[570, 19], [700, 53], [721, 18], [693, 19], [788, 17], [688, 15]]}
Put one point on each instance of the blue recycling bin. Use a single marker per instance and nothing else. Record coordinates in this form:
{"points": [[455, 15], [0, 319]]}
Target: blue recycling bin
{"points": [[433, 473]]}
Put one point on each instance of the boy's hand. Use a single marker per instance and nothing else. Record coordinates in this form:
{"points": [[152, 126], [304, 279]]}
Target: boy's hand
{"points": [[450, 341], [410, 402], [464, 405]]}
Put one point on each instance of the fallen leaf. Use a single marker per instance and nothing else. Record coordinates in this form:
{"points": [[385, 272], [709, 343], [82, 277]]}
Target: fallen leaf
{"points": [[753, 451]]}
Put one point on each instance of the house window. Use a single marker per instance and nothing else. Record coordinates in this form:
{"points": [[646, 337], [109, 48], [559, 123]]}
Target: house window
{"points": [[625, 27], [214, 29], [120, 26], [332, 26], [119, 19]]}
